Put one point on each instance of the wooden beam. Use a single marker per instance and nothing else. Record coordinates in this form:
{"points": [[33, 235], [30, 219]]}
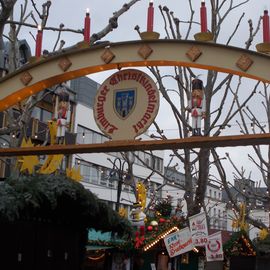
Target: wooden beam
{"points": [[137, 145]]}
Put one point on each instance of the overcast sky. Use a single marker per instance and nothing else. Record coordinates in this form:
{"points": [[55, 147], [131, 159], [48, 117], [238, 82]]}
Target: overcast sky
{"points": [[72, 14]]}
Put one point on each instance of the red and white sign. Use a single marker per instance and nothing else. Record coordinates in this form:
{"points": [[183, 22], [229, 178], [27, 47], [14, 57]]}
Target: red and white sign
{"points": [[198, 229], [213, 248], [179, 242], [126, 104]]}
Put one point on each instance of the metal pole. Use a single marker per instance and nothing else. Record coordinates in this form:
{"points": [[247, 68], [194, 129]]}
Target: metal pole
{"points": [[120, 172]]}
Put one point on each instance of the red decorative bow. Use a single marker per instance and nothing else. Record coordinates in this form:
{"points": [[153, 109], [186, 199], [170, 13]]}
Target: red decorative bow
{"points": [[138, 240]]}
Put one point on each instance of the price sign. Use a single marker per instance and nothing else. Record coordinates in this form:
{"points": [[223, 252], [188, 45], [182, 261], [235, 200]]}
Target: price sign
{"points": [[213, 248], [198, 229]]}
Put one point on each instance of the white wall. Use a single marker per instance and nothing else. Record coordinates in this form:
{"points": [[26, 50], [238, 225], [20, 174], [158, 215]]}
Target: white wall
{"points": [[216, 208]]}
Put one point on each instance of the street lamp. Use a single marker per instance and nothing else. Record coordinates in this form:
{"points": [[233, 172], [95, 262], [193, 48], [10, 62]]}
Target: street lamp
{"points": [[117, 173]]}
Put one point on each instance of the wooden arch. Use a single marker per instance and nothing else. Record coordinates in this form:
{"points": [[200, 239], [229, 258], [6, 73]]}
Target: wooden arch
{"points": [[48, 71]]}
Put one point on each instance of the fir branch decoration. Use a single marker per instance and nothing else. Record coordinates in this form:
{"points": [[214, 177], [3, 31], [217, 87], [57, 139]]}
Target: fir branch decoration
{"points": [[56, 199]]}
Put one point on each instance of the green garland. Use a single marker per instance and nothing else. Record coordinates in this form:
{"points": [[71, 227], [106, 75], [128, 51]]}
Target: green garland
{"points": [[149, 236]]}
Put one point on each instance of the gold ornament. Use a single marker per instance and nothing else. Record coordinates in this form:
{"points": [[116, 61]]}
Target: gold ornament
{"points": [[263, 234], [141, 194], [123, 212], [240, 221]]}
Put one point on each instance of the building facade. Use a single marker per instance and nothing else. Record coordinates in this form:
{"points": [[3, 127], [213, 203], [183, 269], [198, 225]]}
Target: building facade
{"points": [[105, 174]]}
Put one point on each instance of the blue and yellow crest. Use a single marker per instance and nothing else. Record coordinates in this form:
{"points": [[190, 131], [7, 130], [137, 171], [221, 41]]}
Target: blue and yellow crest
{"points": [[124, 102]]}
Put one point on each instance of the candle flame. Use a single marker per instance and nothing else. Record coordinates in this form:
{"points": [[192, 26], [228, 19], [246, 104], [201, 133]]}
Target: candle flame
{"points": [[87, 10], [39, 27], [151, 1], [203, 1]]}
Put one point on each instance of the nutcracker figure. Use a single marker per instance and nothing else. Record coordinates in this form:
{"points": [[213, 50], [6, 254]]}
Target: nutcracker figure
{"points": [[62, 116], [137, 216], [197, 106]]}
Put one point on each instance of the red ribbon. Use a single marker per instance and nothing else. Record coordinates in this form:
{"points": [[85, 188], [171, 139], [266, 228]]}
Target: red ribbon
{"points": [[139, 239]]}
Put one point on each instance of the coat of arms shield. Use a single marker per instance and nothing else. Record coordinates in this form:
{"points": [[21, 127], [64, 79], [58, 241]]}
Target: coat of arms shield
{"points": [[124, 102]]}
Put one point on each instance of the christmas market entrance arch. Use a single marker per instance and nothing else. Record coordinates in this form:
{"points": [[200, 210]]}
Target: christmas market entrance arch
{"points": [[78, 61]]}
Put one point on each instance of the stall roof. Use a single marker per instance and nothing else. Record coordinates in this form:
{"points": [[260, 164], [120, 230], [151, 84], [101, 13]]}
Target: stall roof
{"points": [[95, 247]]}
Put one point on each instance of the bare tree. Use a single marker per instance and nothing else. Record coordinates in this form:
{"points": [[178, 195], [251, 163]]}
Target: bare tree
{"points": [[224, 102]]}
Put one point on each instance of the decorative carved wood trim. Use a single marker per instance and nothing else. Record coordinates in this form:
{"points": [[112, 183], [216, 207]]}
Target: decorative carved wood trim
{"points": [[193, 53], [244, 62], [145, 51], [107, 56], [64, 63], [26, 78]]}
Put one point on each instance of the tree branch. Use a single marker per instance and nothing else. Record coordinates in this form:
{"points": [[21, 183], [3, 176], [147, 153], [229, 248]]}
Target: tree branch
{"points": [[112, 22]]}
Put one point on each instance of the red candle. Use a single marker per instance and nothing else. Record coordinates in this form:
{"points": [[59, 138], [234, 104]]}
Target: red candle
{"points": [[266, 37], [39, 41], [86, 31], [150, 17], [203, 17]]}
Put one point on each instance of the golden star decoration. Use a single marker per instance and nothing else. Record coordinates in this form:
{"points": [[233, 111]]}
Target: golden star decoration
{"points": [[74, 173], [28, 162]]}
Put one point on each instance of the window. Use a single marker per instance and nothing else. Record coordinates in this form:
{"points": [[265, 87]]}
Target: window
{"points": [[259, 203], [104, 177], [36, 113], [111, 183], [147, 159], [215, 194], [88, 136], [126, 188], [141, 156], [90, 172], [158, 164], [41, 114], [210, 192], [46, 116]]}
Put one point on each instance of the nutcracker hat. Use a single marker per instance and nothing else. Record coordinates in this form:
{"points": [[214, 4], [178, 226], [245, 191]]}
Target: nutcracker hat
{"points": [[136, 204], [63, 96], [197, 84]]}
